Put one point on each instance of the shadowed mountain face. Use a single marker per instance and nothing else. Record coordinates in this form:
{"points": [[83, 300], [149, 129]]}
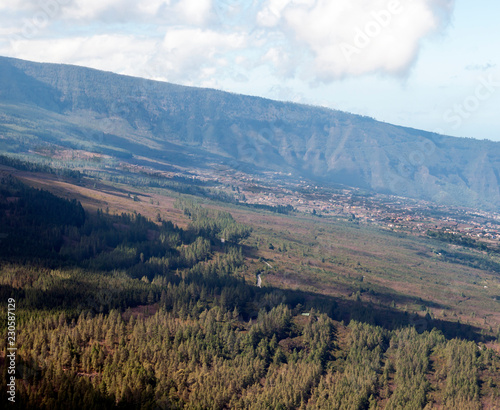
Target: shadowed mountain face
{"points": [[130, 117]]}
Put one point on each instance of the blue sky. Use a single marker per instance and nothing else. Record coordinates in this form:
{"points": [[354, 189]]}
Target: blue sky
{"points": [[428, 64]]}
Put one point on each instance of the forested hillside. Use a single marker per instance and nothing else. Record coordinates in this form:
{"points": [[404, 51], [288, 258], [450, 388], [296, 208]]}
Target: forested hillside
{"points": [[118, 311]]}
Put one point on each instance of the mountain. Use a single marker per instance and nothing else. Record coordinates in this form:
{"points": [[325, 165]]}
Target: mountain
{"points": [[137, 119]]}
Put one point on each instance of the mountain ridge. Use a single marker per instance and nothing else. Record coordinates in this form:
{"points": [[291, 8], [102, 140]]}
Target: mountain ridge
{"points": [[129, 116]]}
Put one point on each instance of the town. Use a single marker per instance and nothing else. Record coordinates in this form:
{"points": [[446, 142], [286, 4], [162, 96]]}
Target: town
{"points": [[360, 206], [277, 189]]}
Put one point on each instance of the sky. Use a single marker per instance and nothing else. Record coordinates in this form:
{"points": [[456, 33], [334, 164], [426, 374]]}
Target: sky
{"points": [[427, 64]]}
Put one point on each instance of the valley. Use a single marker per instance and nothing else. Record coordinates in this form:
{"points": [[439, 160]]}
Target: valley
{"points": [[339, 307], [336, 254], [176, 247]]}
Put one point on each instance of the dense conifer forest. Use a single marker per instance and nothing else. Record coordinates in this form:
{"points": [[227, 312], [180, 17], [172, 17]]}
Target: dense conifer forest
{"points": [[118, 311]]}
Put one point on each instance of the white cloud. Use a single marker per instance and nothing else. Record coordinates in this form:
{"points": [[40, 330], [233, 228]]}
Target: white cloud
{"points": [[177, 45], [190, 49], [118, 53], [195, 12], [93, 9], [319, 39], [187, 56], [20, 5], [116, 11], [348, 38], [152, 7], [271, 14], [282, 60]]}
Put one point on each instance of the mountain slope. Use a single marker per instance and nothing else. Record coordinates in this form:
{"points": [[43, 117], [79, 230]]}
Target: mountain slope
{"points": [[124, 116]]}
